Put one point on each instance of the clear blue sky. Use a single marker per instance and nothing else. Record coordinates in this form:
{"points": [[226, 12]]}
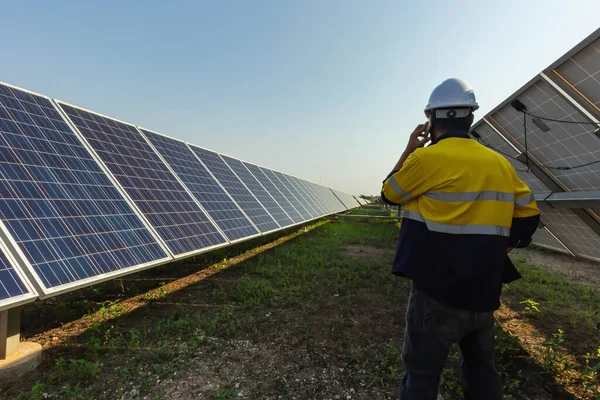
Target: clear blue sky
{"points": [[325, 90]]}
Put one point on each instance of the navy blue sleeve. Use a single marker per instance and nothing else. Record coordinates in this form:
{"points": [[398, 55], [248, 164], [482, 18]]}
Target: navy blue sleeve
{"points": [[522, 230], [385, 199]]}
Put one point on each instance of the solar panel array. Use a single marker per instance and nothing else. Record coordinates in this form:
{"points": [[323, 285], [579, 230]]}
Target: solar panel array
{"points": [[85, 198], [567, 91]]}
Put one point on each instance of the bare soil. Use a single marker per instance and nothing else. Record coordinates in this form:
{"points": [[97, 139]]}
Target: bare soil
{"points": [[581, 272]]}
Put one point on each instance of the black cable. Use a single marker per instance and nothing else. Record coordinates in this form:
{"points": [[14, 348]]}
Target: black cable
{"points": [[483, 142], [553, 167], [566, 168], [561, 121]]}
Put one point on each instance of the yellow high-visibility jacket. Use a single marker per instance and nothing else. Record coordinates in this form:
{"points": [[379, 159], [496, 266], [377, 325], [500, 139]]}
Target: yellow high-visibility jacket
{"points": [[464, 207]]}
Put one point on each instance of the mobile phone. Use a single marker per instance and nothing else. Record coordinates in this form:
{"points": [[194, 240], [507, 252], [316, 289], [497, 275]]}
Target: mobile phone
{"points": [[427, 129]]}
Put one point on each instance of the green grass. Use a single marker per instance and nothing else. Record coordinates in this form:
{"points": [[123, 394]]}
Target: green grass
{"points": [[554, 294], [342, 307]]}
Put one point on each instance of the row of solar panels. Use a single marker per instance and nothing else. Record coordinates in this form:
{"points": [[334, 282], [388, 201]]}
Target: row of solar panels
{"points": [[85, 198], [567, 90], [361, 201]]}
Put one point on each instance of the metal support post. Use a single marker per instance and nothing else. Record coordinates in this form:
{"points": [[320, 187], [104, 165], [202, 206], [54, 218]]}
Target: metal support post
{"points": [[10, 332]]}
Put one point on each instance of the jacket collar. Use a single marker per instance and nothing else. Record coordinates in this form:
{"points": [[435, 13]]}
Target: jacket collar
{"points": [[462, 135]]}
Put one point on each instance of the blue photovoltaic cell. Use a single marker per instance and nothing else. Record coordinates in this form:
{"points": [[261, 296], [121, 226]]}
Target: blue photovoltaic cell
{"points": [[64, 213], [282, 200], [236, 189], [322, 194], [336, 206], [203, 186], [160, 197], [308, 197], [315, 202], [259, 191], [11, 285], [290, 192], [324, 207]]}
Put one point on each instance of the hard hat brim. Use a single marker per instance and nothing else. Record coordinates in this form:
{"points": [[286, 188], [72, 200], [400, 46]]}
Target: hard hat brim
{"points": [[451, 105]]}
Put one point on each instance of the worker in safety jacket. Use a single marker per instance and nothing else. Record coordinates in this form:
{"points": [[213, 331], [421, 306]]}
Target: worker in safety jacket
{"points": [[465, 208]]}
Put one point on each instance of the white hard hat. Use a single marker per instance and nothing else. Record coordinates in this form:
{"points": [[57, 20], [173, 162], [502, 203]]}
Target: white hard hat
{"points": [[452, 93]]}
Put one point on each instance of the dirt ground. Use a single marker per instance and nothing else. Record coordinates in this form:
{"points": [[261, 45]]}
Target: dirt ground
{"points": [[315, 314], [581, 272]]}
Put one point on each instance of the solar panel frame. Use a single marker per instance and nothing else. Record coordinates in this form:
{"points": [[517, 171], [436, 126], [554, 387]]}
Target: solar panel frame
{"points": [[13, 264], [544, 238], [287, 193], [308, 202], [337, 205], [497, 141], [26, 267], [111, 175], [329, 197], [325, 207], [191, 191], [211, 169], [257, 189], [274, 191]]}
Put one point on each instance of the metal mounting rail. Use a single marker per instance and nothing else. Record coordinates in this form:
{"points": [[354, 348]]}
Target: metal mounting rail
{"points": [[581, 199]]}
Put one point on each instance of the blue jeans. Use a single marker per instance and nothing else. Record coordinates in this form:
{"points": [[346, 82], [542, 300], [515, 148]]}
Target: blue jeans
{"points": [[431, 329]]}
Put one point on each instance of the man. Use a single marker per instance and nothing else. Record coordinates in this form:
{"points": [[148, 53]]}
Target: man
{"points": [[465, 209]]}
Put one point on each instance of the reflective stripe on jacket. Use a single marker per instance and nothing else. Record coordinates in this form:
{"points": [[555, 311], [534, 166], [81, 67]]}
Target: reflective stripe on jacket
{"points": [[464, 206]]}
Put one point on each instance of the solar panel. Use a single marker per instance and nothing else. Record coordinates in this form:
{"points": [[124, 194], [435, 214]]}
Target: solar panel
{"points": [[564, 144], [327, 197], [300, 194], [327, 201], [69, 223], [581, 70], [562, 95], [542, 237], [286, 190], [236, 189], [332, 198], [347, 200], [203, 186], [322, 207], [490, 137], [14, 287], [259, 191], [156, 192], [270, 187], [572, 230]]}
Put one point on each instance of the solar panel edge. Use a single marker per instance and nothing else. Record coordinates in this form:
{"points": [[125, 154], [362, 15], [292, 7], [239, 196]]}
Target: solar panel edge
{"points": [[190, 145], [225, 158], [337, 197], [282, 206], [253, 195], [23, 267], [304, 198], [220, 154], [203, 250], [16, 262], [238, 192], [280, 185], [188, 189], [164, 243], [262, 171], [58, 105]]}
